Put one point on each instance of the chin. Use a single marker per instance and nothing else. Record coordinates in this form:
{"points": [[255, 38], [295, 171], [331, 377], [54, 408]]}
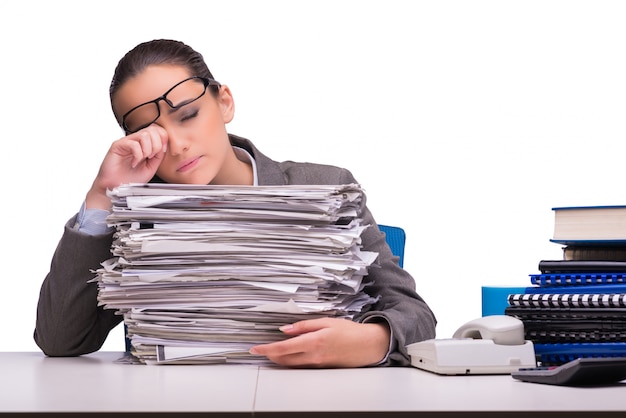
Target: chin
{"points": [[194, 179]]}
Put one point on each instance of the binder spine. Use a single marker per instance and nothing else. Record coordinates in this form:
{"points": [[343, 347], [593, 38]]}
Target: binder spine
{"points": [[574, 279], [554, 354], [567, 300], [571, 336]]}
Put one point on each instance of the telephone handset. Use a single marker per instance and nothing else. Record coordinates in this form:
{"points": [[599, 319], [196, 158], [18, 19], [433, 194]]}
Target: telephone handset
{"points": [[501, 329], [488, 345]]}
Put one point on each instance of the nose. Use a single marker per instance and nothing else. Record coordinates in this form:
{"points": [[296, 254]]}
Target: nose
{"points": [[177, 143]]}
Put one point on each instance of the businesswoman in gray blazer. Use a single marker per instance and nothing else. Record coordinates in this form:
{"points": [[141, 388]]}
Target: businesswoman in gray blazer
{"points": [[174, 116]]}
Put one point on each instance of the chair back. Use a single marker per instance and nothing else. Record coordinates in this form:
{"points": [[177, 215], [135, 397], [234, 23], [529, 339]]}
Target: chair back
{"points": [[396, 239]]}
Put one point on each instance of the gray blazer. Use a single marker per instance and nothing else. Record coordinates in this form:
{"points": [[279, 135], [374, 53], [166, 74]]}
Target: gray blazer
{"points": [[69, 322]]}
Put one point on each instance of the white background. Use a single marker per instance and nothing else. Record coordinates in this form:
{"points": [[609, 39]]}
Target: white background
{"points": [[465, 121]]}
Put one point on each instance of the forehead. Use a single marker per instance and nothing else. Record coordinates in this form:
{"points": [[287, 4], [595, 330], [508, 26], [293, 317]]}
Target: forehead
{"points": [[151, 83]]}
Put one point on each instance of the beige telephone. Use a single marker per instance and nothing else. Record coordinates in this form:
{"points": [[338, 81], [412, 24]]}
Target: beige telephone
{"points": [[488, 345]]}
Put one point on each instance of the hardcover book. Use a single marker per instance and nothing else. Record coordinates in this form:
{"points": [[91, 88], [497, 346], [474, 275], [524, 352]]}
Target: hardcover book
{"points": [[579, 266], [585, 225], [596, 252]]}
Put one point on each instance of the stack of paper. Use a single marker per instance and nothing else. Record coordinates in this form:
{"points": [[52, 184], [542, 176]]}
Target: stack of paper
{"points": [[203, 273]]}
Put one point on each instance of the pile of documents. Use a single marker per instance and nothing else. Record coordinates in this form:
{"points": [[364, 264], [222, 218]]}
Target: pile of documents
{"points": [[203, 273]]}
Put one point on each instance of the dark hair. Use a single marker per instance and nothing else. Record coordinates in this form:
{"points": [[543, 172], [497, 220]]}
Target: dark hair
{"points": [[157, 52]]}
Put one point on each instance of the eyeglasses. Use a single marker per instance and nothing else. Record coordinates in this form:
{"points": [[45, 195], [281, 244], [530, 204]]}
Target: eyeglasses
{"points": [[183, 93]]}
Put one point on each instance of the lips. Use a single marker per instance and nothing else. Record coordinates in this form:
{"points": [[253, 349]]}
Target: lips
{"points": [[188, 165]]}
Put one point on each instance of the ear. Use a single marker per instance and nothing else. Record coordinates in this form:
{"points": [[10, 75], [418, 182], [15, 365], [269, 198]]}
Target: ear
{"points": [[226, 103]]}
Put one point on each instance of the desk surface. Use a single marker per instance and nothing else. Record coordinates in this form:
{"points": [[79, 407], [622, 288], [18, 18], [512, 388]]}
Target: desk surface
{"points": [[32, 383]]}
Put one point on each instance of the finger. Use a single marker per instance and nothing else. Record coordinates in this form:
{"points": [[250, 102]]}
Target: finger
{"points": [[146, 144], [148, 140], [308, 325], [133, 149], [294, 352], [286, 347], [164, 138], [158, 139]]}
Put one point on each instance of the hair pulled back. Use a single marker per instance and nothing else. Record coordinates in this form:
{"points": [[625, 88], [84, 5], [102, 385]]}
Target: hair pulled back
{"points": [[157, 52]]}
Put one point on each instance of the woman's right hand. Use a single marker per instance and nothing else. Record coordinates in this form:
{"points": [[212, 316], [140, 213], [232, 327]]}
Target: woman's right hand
{"points": [[132, 159]]}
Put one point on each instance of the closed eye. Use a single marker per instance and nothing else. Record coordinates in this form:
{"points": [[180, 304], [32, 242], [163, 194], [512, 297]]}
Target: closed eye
{"points": [[189, 115]]}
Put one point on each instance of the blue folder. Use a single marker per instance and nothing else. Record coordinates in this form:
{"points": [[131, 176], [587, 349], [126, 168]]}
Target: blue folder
{"points": [[559, 353], [577, 279], [581, 289], [495, 299]]}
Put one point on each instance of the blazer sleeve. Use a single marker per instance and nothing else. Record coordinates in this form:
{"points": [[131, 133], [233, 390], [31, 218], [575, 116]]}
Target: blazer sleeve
{"points": [[69, 321], [408, 315]]}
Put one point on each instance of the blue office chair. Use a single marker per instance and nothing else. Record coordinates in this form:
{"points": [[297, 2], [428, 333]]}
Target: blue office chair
{"points": [[396, 238]]}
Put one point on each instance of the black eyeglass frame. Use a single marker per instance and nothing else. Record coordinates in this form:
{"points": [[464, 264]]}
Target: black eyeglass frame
{"points": [[206, 81]]}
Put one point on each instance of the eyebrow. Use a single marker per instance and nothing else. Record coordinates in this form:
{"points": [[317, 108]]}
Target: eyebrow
{"points": [[171, 110]]}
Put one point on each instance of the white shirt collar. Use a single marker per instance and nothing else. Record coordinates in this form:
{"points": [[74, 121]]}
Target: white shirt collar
{"points": [[245, 156]]}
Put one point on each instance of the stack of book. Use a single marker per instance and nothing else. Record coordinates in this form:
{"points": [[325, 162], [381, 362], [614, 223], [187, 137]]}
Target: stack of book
{"points": [[576, 306], [203, 273]]}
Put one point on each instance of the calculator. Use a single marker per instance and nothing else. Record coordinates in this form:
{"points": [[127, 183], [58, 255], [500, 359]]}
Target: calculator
{"points": [[580, 372]]}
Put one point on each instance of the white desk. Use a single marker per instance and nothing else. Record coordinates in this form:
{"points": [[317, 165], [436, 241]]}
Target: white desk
{"points": [[32, 384]]}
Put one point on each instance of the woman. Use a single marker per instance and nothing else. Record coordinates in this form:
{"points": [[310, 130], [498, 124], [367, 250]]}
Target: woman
{"points": [[174, 115]]}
